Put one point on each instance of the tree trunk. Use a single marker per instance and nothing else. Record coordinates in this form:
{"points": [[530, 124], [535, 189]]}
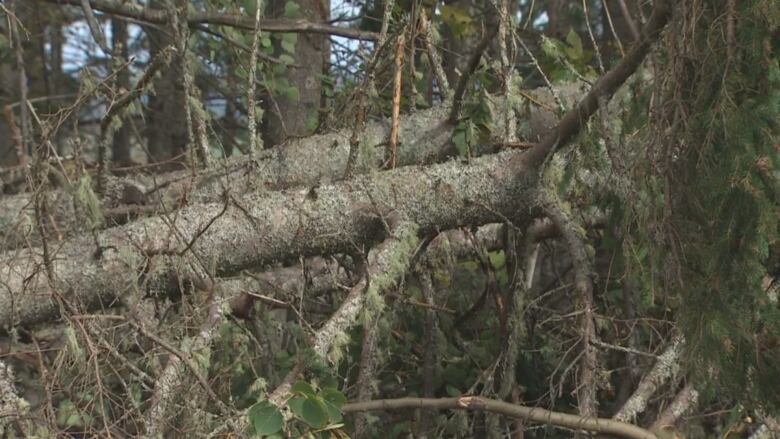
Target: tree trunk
{"points": [[286, 116], [166, 128], [121, 147]]}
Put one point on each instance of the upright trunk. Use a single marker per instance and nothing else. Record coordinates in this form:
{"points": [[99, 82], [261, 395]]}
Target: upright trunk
{"points": [[166, 128], [286, 116], [121, 146]]}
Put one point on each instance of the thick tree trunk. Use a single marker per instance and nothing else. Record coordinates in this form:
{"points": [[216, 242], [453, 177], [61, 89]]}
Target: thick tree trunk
{"points": [[259, 228], [424, 137], [166, 126]]}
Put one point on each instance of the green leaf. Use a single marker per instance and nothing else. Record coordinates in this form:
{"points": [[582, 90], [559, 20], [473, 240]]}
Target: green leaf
{"points": [[551, 47], [265, 41], [250, 6], [296, 405], [458, 20], [574, 52], [313, 412], [459, 139], [303, 388], [291, 93], [286, 59], [265, 418], [334, 413], [333, 396], [292, 10], [452, 391], [333, 400], [289, 40]]}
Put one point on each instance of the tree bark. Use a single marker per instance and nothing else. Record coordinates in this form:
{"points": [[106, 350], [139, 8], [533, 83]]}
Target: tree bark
{"points": [[166, 128], [249, 231], [288, 116]]}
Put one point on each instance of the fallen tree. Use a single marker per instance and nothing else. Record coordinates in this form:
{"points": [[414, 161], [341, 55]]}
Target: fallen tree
{"points": [[425, 137], [259, 228]]}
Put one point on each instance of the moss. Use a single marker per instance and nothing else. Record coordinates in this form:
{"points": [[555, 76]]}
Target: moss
{"points": [[393, 268]]}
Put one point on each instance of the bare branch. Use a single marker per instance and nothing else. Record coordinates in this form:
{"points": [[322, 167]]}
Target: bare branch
{"points": [[463, 82], [94, 27], [534, 414]]}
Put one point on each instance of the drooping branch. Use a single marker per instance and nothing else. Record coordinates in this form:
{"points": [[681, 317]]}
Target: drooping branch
{"points": [[574, 236], [168, 388], [158, 16], [533, 414], [385, 266], [12, 406]]}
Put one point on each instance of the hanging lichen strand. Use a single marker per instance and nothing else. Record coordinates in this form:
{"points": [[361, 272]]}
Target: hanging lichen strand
{"points": [[716, 157]]}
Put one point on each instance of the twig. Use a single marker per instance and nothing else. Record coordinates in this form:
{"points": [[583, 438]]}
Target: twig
{"points": [[368, 82], [601, 344], [433, 57], [413, 30], [429, 355], [20, 65], [505, 36], [546, 80], [476, 57], [366, 386], [574, 236], [533, 414], [731, 18], [94, 27], [592, 38], [395, 123], [250, 99], [614, 32]]}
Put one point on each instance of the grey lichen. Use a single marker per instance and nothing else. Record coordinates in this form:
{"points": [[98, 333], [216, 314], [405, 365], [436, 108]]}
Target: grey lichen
{"points": [[390, 267], [387, 263]]}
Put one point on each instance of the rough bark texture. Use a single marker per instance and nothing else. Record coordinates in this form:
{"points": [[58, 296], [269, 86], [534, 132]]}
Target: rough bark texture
{"points": [[424, 138], [256, 229], [120, 151]]}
